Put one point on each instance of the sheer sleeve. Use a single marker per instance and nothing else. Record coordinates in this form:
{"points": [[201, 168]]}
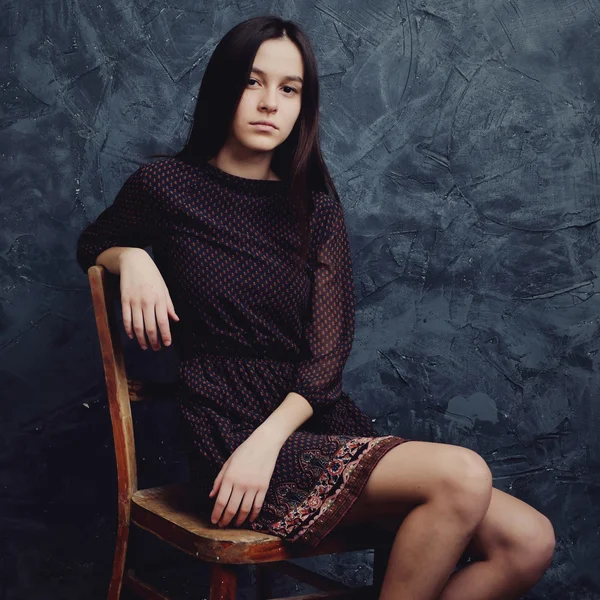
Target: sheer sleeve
{"points": [[128, 221], [329, 329]]}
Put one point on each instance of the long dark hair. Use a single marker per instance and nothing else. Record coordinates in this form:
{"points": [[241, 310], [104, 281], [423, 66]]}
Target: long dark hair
{"points": [[298, 160]]}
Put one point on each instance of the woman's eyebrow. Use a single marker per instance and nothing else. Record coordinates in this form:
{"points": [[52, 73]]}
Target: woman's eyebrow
{"points": [[286, 77]]}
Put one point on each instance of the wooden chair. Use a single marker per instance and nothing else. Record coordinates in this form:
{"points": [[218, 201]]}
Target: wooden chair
{"points": [[168, 512]]}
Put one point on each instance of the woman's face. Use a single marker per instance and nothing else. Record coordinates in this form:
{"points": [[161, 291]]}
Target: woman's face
{"points": [[273, 93]]}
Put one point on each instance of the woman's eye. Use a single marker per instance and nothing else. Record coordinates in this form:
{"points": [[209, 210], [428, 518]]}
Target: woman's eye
{"points": [[289, 87]]}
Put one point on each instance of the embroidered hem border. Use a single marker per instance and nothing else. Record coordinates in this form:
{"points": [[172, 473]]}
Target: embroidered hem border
{"points": [[335, 492]]}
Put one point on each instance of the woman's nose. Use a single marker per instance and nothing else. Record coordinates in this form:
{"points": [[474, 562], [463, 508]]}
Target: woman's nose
{"points": [[269, 98]]}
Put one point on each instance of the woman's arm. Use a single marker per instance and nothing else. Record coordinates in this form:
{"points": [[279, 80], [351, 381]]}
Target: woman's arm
{"points": [[129, 223], [329, 331], [112, 258], [116, 239], [294, 411]]}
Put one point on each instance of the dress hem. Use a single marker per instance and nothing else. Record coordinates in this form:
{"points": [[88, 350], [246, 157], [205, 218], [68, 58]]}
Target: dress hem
{"points": [[350, 492], [300, 526]]}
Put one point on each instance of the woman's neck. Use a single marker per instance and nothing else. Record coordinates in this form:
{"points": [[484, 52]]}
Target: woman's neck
{"points": [[243, 169]]}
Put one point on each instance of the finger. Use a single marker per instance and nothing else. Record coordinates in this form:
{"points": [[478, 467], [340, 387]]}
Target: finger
{"points": [[171, 308], [232, 506], [258, 504], [150, 322], [127, 324], [163, 323], [216, 484], [138, 324], [218, 479], [220, 476], [221, 503], [245, 507]]}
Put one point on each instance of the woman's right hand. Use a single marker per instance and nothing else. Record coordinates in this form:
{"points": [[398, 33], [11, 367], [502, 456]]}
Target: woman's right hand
{"points": [[145, 299]]}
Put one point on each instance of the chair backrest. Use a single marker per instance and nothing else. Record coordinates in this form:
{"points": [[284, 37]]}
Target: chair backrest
{"points": [[105, 290]]}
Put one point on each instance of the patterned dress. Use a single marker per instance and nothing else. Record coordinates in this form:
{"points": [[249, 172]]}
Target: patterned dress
{"points": [[256, 322]]}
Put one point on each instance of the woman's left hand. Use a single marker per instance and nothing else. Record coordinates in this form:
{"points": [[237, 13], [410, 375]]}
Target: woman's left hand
{"points": [[244, 479]]}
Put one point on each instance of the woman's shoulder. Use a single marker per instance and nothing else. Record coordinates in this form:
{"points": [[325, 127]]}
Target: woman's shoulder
{"points": [[164, 169], [320, 195], [328, 215], [326, 205], [168, 174]]}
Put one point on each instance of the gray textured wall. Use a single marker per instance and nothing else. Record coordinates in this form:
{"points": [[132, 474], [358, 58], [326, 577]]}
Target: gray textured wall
{"points": [[464, 139]]}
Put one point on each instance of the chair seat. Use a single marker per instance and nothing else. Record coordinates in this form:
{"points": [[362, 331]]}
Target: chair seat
{"points": [[168, 512]]}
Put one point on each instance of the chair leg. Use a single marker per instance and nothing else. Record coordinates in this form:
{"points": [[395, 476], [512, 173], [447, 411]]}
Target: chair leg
{"points": [[223, 582], [380, 561], [264, 589], [116, 580]]}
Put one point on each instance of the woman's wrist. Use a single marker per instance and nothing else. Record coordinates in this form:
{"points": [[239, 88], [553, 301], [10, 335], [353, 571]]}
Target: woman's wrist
{"points": [[269, 432], [285, 419]]}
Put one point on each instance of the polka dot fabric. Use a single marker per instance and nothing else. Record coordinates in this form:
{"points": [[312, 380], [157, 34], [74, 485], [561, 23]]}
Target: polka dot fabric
{"points": [[256, 322]]}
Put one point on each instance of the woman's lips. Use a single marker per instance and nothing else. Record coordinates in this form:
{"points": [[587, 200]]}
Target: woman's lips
{"points": [[263, 127]]}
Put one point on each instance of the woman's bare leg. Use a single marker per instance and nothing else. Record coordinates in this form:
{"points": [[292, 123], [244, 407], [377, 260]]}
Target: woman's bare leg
{"points": [[512, 545], [511, 548], [442, 493]]}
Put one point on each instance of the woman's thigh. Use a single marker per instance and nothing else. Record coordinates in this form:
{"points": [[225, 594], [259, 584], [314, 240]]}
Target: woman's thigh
{"points": [[411, 474]]}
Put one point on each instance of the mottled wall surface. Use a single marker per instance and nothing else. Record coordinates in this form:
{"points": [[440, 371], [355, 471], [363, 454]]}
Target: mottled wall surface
{"points": [[464, 140]]}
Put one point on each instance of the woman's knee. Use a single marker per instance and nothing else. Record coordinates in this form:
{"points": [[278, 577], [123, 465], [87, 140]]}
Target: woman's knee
{"points": [[466, 484], [414, 473], [531, 549]]}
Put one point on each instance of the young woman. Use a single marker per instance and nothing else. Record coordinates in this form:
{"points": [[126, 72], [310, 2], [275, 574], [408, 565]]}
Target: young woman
{"points": [[250, 246]]}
